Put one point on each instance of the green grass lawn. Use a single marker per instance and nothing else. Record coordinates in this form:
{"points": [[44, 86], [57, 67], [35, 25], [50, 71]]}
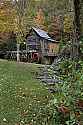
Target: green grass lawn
{"points": [[23, 100]]}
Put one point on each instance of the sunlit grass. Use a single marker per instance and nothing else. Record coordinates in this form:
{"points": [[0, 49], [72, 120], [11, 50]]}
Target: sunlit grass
{"points": [[22, 97]]}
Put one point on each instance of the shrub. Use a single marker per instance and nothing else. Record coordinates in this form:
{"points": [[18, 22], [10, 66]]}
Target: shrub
{"points": [[68, 100]]}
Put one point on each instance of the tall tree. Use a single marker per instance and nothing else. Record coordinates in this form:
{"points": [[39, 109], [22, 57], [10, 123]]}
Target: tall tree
{"points": [[20, 6], [55, 27], [25, 13], [76, 30]]}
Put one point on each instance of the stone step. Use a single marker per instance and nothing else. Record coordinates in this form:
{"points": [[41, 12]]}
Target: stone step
{"points": [[50, 81], [43, 77]]}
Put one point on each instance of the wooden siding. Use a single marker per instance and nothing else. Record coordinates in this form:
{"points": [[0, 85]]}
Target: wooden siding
{"points": [[53, 48]]}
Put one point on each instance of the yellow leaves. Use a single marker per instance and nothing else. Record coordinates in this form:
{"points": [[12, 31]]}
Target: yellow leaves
{"points": [[7, 17], [68, 23], [2, 11], [40, 19]]}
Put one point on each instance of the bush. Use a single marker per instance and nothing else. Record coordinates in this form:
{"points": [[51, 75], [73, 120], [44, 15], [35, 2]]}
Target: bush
{"points": [[68, 100]]}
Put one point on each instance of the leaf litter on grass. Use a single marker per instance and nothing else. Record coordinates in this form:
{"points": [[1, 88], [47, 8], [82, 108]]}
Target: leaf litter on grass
{"points": [[22, 97]]}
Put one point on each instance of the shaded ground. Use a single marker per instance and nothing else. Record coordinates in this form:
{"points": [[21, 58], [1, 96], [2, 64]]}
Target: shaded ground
{"points": [[22, 98]]}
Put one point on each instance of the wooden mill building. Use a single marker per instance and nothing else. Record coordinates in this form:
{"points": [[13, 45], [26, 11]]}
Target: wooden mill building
{"points": [[40, 44]]}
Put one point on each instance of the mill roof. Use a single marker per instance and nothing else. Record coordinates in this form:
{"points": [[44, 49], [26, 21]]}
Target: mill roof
{"points": [[43, 34]]}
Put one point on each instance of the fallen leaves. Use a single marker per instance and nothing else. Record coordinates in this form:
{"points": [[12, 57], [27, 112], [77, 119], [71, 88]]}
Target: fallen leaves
{"points": [[79, 104], [64, 110]]}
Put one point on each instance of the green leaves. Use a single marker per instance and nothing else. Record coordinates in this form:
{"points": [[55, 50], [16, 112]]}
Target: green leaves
{"points": [[71, 90]]}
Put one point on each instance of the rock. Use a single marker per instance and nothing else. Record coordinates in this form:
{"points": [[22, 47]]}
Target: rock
{"points": [[4, 120], [52, 90], [50, 74]]}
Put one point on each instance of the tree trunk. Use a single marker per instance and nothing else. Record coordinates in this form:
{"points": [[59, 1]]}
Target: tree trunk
{"points": [[76, 30], [18, 55]]}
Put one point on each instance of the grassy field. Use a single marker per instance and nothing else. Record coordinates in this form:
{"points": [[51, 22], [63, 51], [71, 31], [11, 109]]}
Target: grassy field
{"points": [[22, 98]]}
